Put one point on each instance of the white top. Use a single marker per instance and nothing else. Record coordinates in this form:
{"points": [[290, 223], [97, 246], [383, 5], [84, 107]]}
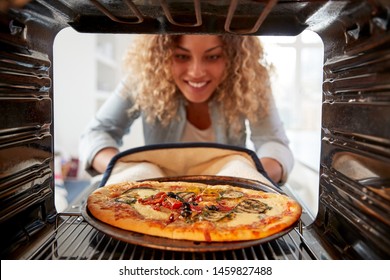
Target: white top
{"points": [[193, 134]]}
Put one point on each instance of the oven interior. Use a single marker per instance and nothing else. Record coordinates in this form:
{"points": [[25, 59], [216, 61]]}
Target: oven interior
{"points": [[353, 220]]}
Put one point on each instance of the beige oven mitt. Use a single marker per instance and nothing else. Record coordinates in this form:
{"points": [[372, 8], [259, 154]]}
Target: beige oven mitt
{"points": [[184, 159]]}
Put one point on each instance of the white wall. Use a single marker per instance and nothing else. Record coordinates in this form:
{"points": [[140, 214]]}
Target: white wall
{"points": [[73, 87], [76, 96]]}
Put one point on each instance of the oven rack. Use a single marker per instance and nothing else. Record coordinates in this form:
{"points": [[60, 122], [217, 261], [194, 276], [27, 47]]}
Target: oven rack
{"points": [[74, 239]]}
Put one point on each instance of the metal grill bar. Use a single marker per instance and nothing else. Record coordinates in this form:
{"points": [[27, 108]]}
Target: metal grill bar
{"points": [[129, 3], [168, 14], [292, 245], [198, 15], [263, 253], [232, 8], [83, 252], [74, 239]]}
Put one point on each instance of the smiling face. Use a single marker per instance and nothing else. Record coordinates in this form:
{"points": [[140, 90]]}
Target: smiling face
{"points": [[198, 66]]}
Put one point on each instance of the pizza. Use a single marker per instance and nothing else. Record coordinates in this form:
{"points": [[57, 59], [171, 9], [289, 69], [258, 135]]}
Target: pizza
{"points": [[193, 211]]}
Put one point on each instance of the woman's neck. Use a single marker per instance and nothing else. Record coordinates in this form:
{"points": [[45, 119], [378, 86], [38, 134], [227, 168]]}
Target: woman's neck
{"points": [[198, 115]]}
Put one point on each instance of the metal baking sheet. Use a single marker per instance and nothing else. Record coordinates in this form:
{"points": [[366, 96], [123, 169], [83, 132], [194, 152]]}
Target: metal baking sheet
{"points": [[187, 245]]}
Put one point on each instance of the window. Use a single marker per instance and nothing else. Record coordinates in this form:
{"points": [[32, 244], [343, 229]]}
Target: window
{"points": [[297, 87]]}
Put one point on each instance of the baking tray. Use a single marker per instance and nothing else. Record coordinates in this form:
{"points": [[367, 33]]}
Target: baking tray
{"points": [[163, 243]]}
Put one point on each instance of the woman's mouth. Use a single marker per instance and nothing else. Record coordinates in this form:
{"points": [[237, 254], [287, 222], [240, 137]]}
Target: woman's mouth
{"points": [[196, 85], [197, 91]]}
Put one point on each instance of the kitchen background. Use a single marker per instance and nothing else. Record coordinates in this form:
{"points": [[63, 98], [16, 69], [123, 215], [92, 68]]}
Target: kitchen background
{"points": [[87, 68]]}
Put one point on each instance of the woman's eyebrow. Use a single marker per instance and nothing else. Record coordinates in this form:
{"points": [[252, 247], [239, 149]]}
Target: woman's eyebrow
{"points": [[208, 50]]}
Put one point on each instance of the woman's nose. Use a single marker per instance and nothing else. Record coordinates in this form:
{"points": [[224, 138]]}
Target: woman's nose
{"points": [[197, 68]]}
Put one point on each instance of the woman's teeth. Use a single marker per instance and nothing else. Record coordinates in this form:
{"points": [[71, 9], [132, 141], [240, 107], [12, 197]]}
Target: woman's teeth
{"points": [[197, 85]]}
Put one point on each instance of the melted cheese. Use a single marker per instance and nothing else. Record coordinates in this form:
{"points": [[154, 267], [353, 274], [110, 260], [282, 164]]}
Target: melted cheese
{"points": [[243, 219], [144, 193], [150, 213], [250, 218], [277, 207]]}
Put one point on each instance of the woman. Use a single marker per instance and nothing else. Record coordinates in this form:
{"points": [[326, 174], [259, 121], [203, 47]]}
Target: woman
{"points": [[193, 88]]}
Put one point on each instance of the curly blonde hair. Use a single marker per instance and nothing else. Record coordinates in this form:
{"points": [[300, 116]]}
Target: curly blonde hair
{"points": [[244, 90]]}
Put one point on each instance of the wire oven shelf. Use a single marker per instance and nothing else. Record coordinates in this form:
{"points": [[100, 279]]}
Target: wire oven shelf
{"points": [[75, 239]]}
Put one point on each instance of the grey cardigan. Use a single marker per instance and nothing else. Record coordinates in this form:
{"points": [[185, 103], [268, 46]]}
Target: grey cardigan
{"points": [[113, 121]]}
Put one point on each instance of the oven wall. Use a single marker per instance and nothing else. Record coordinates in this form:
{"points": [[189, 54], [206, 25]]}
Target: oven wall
{"points": [[354, 208], [26, 138]]}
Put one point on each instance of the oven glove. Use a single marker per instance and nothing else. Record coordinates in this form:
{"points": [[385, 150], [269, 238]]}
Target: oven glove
{"points": [[184, 159]]}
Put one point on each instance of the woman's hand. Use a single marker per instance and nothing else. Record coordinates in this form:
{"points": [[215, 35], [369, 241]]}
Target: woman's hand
{"points": [[102, 159], [273, 169]]}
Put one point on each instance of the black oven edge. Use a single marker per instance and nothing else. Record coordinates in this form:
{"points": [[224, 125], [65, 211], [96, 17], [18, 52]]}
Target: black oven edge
{"points": [[353, 221]]}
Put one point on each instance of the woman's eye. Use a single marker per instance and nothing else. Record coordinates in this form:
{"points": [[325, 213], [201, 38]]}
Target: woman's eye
{"points": [[213, 57], [181, 57]]}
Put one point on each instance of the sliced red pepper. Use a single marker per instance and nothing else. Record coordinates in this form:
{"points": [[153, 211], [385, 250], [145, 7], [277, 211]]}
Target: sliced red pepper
{"points": [[177, 204], [156, 207], [194, 208], [224, 208], [171, 218], [171, 203], [154, 199]]}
